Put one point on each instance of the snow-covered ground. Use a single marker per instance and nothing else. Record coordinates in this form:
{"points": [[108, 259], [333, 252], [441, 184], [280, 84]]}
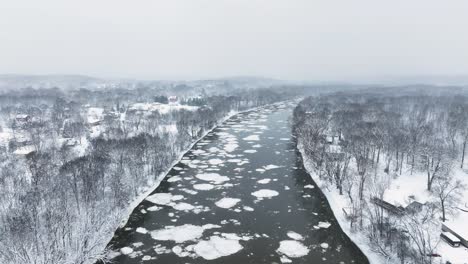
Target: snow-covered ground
{"points": [[161, 108], [402, 190], [337, 203]]}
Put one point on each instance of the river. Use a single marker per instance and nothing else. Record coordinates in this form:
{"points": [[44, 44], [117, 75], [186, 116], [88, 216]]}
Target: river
{"points": [[240, 196]]}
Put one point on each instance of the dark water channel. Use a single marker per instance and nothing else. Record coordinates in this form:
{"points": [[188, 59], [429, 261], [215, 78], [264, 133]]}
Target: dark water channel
{"points": [[273, 211]]}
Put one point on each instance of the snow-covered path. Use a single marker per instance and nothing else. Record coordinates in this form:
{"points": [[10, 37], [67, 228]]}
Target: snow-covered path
{"points": [[240, 195]]}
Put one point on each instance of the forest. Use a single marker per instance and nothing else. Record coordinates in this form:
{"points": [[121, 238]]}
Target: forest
{"points": [[396, 162], [75, 162]]}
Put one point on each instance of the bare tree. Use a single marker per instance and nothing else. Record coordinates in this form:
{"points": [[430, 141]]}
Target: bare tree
{"points": [[448, 192]]}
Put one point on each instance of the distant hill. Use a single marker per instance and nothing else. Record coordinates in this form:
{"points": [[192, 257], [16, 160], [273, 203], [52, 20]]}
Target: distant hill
{"points": [[18, 81]]}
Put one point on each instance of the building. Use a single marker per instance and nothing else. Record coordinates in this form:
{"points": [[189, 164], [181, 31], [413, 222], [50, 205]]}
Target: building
{"points": [[458, 230], [173, 99]]}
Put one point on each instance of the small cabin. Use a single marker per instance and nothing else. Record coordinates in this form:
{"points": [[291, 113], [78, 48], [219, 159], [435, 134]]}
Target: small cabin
{"points": [[450, 239], [460, 232], [390, 208], [173, 99], [414, 207]]}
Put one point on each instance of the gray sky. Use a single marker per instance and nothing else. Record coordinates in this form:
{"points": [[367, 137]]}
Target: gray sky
{"points": [[287, 39]]}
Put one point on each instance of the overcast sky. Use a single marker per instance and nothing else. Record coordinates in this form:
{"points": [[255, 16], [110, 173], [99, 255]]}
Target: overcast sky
{"points": [[286, 39]]}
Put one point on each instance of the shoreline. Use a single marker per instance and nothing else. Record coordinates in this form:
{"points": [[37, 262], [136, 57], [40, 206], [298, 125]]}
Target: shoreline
{"points": [[335, 201], [140, 198]]}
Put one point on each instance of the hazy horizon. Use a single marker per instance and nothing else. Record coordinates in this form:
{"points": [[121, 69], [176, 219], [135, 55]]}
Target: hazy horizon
{"points": [[294, 40]]}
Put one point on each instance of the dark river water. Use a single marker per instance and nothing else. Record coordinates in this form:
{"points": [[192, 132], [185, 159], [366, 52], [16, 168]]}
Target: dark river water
{"points": [[241, 195]]}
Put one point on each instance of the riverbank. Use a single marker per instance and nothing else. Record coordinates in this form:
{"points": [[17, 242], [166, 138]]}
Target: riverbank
{"points": [[241, 186], [337, 203], [140, 198]]}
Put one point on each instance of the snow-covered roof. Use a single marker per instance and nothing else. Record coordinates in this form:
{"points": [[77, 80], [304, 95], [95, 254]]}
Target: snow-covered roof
{"points": [[24, 150], [451, 236], [459, 226]]}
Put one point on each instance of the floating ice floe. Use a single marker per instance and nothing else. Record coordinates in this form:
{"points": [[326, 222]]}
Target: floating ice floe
{"points": [[265, 193], [292, 249], [324, 225], [215, 161], [217, 247], [309, 186], [227, 202], [183, 207], [141, 230], [212, 177], [230, 147], [163, 198], [252, 138], [271, 167], [203, 186], [174, 179], [181, 233], [248, 208], [126, 250], [250, 151], [264, 181], [324, 245], [294, 235]]}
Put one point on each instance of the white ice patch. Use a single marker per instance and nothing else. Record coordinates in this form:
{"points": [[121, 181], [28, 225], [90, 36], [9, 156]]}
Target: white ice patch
{"points": [[230, 147], [324, 245], [227, 202], [265, 193], [212, 177], [154, 208], [248, 208], [324, 225], [252, 138], [163, 198], [126, 250], [203, 186], [174, 179], [264, 181], [250, 151], [292, 249], [271, 167], [217, 247], [215, 161], [141, 230], [182, 233], [183, 207], [294, 235], [309, 186]]}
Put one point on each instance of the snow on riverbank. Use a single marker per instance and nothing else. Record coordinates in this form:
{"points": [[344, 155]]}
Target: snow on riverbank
{"points": [[156, 183], [337, 202]]}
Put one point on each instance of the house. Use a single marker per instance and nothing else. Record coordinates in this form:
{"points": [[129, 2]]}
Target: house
{"points": [[414, 207], [450, 239], [173, 99], [22, 118], [459, 230], [390, 208]]}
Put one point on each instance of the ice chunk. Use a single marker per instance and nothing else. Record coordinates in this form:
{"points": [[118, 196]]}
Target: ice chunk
{"points": [[203, 186], [227, 202], [324, 225], [141, 230], [292, 249], [265, 193], [294, 235], [126, 250], [217, 247], [181, 233], [215, 161], [264, 181], [212, 177], [252, 138]]}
